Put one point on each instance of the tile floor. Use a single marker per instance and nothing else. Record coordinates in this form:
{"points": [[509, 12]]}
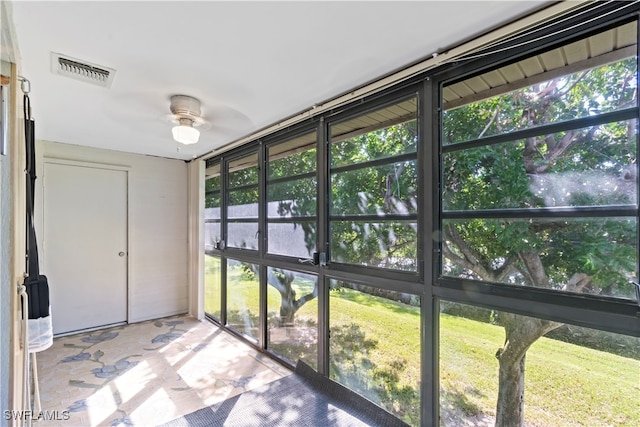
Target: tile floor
{"points": [[146, 373]]}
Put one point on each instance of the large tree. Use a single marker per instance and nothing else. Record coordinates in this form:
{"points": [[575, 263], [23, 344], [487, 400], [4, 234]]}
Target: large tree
{"points": [[577, 168]]}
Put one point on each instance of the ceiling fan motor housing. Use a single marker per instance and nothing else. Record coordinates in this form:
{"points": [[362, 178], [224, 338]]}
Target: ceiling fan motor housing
{"points": [[185, 108]]}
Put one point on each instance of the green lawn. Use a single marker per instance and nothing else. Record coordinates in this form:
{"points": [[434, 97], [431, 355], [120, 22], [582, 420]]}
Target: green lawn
{"points": [[212, 282], [565, 384], [375, 349]]}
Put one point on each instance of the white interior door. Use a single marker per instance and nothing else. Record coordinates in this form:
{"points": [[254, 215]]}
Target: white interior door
{"points": [[85, 245]]}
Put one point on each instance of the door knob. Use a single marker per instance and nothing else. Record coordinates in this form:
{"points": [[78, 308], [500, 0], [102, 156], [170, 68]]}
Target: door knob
{"points": [[121, 254]]}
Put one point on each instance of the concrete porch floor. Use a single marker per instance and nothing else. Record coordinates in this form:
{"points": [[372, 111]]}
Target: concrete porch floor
{"points": [[145, 374]]}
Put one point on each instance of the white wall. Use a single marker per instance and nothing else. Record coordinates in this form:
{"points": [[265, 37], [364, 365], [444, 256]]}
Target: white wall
{"points": [[196, 235], [158, 225]]}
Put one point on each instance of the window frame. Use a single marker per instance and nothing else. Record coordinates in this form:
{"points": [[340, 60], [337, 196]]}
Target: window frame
{"points": [[228, 189], [273, 141], [220, 192], [606, 313], [409, 90]]}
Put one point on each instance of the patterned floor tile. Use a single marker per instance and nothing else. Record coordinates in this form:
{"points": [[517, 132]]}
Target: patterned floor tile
{"points": [[146, 373]]}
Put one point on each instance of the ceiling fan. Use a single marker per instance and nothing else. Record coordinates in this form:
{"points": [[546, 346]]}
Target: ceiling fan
{"points": [[186, 114], [152, 112]]}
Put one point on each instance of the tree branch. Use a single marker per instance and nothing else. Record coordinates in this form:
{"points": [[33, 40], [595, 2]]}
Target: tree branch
{"points": [[470, 261], [306, 298], [571, 138], [273, 280], [544, 93], [534, 269], [390, 181], [493, 119], [561, 94], [509, 267]]}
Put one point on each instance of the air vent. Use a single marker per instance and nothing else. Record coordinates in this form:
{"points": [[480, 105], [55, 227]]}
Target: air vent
{"points": [[81, 70]]}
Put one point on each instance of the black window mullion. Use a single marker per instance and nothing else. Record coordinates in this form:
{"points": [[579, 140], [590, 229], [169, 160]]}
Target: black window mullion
{"points": [[600, 119], [286, 220], [637, 153], [262, 201], [376, 162], [398, 281], [224, 169], [560, 212], [290, 178], [428, 208], [578, 309], [224, 198], [375, 218], [262, 245], [249, 219], [242, 188], [323, 200]]}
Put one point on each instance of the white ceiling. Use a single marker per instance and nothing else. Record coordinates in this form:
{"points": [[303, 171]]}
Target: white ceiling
{"points": [[250, 63]]}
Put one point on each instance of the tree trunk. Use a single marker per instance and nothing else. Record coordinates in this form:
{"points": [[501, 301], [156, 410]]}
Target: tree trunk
{"points": [[510, 407], [283, 282], [288, 307], [520, 333]]}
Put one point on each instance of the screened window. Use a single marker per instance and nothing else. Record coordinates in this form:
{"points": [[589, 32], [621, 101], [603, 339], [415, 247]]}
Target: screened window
{"points": [[540, 173], [212, 206], [212, 241], [292, 315], [522, 207], [570, 375], [292, 197], [373, 196], [242, 203], [243, 298], [213, 286], [374, 346]]}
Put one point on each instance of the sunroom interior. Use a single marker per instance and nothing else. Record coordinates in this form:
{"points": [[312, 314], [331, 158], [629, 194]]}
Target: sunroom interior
{"points": [[456, 240]]}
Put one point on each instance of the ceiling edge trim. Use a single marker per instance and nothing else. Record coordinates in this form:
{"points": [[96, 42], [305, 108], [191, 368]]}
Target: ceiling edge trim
{"points": [[554, 11]]}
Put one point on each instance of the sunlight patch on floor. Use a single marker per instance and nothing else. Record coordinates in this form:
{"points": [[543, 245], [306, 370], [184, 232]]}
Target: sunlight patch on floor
{"points": [[147, 373], [158, 405], [100, 405], [134, 381]]}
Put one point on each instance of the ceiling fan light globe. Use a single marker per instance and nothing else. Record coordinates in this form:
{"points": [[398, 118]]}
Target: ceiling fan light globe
{"points": [[185, 134]]}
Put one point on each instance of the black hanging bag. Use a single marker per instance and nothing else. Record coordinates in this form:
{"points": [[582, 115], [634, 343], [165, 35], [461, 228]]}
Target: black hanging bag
{"points": [[37, 286]]}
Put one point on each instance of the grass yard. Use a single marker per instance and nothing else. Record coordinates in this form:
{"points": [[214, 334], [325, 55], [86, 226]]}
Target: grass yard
{"points": [[565, 384], [375, 349], [212, 281]]}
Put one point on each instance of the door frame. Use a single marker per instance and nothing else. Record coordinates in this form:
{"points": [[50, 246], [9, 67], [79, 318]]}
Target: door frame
{"points": [[39, 212]]}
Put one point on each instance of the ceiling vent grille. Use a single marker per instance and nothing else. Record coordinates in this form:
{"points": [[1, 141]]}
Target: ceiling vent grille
{"points": [[81, 70]]}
